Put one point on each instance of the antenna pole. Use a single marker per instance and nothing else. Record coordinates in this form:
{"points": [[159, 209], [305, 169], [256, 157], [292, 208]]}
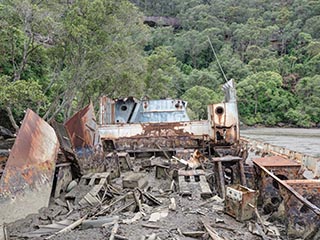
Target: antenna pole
{"points": [[214, 52]]}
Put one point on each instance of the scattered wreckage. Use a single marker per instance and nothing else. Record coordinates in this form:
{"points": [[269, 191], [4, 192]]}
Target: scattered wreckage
{"points": [[143, 162]]}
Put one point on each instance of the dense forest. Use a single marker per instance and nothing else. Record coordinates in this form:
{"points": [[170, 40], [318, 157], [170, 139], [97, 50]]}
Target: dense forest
{"points": [[57, 55]]}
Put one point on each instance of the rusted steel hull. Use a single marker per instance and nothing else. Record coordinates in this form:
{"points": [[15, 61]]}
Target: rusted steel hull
{"points": [[284, 169], [259, 148], [26, 184], [66, 148], [147, 136], [107, 111], [82, 128], [300, 199], [84, 136], [224, 122], [301, 221]]}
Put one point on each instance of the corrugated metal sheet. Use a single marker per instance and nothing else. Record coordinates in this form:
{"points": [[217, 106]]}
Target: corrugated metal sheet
{"points": [[130, 110]]}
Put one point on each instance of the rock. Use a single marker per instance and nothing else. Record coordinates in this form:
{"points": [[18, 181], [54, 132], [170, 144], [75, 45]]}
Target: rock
{"points": [[134, 180], [219, 220], [71, 185], [136, 217], [158, 215], [173, 205]]}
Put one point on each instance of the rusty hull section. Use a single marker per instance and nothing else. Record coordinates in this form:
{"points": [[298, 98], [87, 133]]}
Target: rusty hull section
{"points": [[146, 137], [85, 139], [67, 154], [261, 149], [26, 184], [280, 182], [301, 220], [82, 128], [281, 167], [224, 123], [107, 111]]}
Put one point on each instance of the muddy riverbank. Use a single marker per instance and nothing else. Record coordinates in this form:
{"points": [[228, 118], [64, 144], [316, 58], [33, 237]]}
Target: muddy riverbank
{"points": [[298, 139]]}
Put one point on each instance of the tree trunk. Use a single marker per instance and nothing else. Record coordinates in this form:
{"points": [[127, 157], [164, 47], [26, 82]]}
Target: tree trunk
{"points": [[11, 118]]}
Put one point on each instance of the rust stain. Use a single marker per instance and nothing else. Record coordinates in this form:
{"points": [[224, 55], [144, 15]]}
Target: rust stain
{"points": [[32, 160], [63, 136], [301, 221], [163, 130], [299, 196], [276, 161], [82, 128], [240, 202]]}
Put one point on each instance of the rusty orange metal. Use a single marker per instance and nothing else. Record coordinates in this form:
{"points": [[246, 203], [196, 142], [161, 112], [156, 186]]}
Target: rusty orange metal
{"points": [[300, 198], [82, 128], [69, 155], [277, 161], [224, 122], [85, 139], [302, 215], [281, 167], [29, 171], [240, 202]]}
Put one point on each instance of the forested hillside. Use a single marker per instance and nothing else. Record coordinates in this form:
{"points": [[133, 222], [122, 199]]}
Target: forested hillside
{"points": [[56, 56]]}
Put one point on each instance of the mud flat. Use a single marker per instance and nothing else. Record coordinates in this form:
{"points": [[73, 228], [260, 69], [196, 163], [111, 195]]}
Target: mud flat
{"points": [[298, 139]]}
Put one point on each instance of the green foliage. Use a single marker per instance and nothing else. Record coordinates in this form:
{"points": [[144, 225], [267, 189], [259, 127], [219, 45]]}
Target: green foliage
{"points": [[163, 78], [71, 53], [20, 95], [308, 92], [198, 98], [267, 46], [298, 118], [262, 98]]}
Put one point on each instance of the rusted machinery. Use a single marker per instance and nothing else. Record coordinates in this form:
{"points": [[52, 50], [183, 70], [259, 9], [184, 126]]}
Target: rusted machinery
{"points": [[240, 202]]}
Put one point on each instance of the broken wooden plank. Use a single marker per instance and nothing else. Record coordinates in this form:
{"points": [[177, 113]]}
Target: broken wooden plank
{"points": [[106, 208], [205, 188], [61, 203], [151, 198], [153, 226], [116, 236], [259, 217], [173, 205], [137, 200], [70, 227], [114, 231], [193, 234], [123, 208], [164, 152], [5, 232], [96, 223], [213, 234]]}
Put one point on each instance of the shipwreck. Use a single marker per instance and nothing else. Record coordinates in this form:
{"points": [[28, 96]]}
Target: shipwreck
{"points": [[101, 167]]}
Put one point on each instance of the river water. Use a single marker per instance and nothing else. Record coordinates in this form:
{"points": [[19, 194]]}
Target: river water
{"points": [[302, 140]]}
